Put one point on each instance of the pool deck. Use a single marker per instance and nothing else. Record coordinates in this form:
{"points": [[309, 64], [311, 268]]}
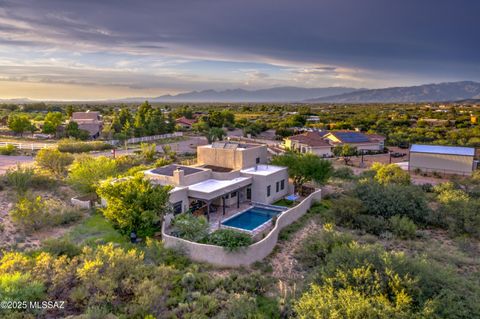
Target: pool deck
{"points": [[217, 217]]}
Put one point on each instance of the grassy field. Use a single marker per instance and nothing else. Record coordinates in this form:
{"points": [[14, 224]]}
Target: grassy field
{"points": [[95, 230]]}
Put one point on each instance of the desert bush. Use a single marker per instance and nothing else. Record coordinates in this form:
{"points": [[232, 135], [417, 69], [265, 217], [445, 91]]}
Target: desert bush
{"points": [[345, 209], [148, 151], [86, 172], [73, 146], [54, 161], [393, 199], [390, 174], [190, 227], [317, 246], [8, 149], [375, 225], [36, 213], [403, 227], [20, 287], [365, 281], [343, 173], [229, 239], [20, 178], [58, 247]]}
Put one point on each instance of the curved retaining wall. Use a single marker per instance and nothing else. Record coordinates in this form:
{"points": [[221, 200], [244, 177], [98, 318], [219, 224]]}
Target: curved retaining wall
{"points": [[219, 256]]}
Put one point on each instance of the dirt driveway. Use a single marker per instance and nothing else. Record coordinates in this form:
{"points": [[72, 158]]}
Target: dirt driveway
{"points": [[7, 161]]}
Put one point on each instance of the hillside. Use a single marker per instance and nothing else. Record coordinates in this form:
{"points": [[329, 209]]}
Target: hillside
{"points": [[278, 94], [451, 91]]}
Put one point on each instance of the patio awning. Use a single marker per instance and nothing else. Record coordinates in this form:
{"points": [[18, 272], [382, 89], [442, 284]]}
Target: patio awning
{"points": [[213, 188]]}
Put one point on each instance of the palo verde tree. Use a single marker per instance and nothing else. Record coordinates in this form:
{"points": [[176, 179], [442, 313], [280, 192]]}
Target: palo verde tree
{"points": [[134, 204], [304, 168], [52, 121], [345, 151]]}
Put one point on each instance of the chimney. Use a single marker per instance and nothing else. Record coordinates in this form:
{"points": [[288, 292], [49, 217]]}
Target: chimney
{"points": [[178, 175]]}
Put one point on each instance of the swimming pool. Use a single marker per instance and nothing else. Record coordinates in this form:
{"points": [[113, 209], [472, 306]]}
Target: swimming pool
{"points": [[251, 218]]}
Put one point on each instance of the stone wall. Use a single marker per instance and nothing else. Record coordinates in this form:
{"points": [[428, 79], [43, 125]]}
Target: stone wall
{"points": [[219, 256]]}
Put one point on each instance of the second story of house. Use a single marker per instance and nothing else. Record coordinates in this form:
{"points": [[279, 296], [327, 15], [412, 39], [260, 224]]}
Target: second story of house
{"points": [[232, 155], [222, 171]]}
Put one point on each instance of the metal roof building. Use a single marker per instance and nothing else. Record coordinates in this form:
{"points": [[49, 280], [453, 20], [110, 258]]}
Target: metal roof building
{"points": [[442, 159]]}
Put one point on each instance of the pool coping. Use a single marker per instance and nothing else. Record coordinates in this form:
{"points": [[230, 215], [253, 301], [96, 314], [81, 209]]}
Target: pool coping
{"points": [[252, 232]]}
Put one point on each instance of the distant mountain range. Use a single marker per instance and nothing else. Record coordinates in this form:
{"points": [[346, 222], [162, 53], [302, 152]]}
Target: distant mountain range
{"points": [[464, 92], [277, 94], [442, 92]]}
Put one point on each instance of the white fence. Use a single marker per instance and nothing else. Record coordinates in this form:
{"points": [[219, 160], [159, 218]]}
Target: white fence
{"points": [[135, 140], [219, 256], [27, 146]]}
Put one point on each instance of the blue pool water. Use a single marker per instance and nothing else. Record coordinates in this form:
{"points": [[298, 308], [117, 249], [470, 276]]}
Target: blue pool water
{"points": [[251, 218]]}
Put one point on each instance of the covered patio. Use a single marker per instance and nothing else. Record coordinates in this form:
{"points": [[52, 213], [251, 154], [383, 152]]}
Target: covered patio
{"points": [[218, 198]]}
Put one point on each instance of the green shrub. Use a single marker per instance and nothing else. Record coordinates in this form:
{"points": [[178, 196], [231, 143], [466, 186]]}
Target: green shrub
{"points": [[190, 227], [54, 161], [58, 247], [148, 151], [371, 224], [86, 172], [345, 209], [73, 146], [228, 238], [20, 178], [36, 213], [345, 173], [8, 149], [134, 204], [20, 287], [317, 246], [403, 227], [393, 199]]}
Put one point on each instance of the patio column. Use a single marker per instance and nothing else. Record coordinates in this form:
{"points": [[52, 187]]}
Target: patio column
{"points": [[208, 210], [223, 204], [238, 199]]}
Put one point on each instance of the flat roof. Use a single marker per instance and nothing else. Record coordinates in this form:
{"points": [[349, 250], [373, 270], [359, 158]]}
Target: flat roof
{"points": [[219, 169], [440, 149], [262, 169], [212, 185], [168, 170], [231, 145]]}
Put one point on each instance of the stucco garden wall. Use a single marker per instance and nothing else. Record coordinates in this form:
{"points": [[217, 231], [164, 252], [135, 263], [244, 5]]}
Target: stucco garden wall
{"points": [[219, 256]]}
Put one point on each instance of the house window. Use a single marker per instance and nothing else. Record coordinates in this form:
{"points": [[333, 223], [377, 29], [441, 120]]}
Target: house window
{"points": [[234, 194], [282, 184], [257, 160], [268, 190], [177, 208], [277, 187]]}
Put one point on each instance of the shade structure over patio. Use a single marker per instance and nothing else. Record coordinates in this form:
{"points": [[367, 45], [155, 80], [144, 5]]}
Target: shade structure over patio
{"points": [[212, 189]]}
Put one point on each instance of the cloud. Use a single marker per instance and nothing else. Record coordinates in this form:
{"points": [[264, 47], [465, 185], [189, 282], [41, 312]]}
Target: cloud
{"points": [[153, 44]]}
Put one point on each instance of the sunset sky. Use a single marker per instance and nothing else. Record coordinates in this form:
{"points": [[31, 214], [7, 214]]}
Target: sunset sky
{"points": [[88, 50]]}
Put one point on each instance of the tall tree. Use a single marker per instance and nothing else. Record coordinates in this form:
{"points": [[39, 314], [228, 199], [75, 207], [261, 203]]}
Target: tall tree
{"points": [[135, 204], [19, 123], [303, 168]]}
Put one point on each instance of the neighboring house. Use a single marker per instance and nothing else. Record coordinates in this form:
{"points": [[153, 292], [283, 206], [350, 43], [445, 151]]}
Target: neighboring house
{"points": [[226, 174], [185, 123], [309, 142], [363, 142], [442, 159], [89, 121]]}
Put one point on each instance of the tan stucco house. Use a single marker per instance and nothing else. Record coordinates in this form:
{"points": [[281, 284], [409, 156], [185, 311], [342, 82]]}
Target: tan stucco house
{"points": [[226, 174]]}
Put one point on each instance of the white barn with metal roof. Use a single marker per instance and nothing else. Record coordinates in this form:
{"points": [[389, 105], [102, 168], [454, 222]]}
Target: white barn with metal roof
{"points": [[442, 159]]}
